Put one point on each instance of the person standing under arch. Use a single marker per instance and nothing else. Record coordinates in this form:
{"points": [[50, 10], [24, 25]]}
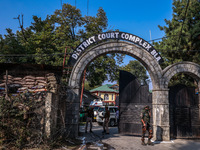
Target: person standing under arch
{"points": [[90, 115], [106, 121], [145, 118]]}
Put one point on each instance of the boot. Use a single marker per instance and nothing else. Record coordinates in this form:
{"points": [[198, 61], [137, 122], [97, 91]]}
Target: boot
{"points": [[104, 131], [150, 143], [143, 143]]}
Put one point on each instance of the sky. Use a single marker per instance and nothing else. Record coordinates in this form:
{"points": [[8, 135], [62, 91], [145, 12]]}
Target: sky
{"points": [[133, 16]]}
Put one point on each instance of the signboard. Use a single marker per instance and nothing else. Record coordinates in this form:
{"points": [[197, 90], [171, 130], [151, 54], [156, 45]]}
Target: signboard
{"points": [[117, 36]]}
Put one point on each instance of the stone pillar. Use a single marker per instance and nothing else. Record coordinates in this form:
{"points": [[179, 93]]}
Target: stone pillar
{"points": [[72, 113], [160, 106], [51, 108], [199, 96]]}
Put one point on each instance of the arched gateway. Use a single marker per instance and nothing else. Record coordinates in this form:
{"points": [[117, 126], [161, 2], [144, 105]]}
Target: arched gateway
{"points": [[120, 42]]}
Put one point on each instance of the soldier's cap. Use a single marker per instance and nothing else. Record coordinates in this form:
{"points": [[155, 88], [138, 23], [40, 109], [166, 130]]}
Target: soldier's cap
{"points": [[146, 106]]}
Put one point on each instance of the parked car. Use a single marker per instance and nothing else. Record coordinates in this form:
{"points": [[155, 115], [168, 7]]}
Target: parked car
{"points": [[101, 113]]}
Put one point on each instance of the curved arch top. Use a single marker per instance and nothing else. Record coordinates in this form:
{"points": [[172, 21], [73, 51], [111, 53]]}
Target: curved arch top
{"points": [[190, 68], [115, 35], [128, 48]]}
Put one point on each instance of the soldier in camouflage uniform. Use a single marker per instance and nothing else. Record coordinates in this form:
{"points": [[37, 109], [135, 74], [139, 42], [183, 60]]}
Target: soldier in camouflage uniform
{"points": [[145, 118], [106, 120]]}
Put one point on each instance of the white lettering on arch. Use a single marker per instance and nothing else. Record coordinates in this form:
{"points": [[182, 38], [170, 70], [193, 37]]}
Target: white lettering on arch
{"points": [[116, 35]]}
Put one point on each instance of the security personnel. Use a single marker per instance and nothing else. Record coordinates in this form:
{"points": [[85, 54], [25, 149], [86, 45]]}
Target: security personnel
{"points": [[145, 118], [90, 116], [106, 121]]}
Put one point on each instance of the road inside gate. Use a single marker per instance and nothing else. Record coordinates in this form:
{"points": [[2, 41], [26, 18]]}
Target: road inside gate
{"points": [[115, 141]]}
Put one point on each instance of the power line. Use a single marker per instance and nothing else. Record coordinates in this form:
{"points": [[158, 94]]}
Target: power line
{"points": [[165, 37], [183, 24], [37, 55], [31, 55], [161, 38]]}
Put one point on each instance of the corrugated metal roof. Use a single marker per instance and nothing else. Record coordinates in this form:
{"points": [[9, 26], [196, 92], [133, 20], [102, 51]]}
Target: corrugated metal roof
{"points": [[104, 88]]}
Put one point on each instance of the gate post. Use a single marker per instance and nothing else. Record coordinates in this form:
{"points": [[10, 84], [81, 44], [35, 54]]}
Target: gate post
{"points": [[160, 105], [72, 112], [199, 97]]}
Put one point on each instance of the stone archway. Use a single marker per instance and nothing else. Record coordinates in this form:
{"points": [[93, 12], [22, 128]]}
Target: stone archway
{"points": [[190, 68], [140, 54], [134, 46]]}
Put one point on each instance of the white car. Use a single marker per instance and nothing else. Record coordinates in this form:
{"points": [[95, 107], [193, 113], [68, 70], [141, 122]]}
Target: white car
{"points": [[101, 113]]}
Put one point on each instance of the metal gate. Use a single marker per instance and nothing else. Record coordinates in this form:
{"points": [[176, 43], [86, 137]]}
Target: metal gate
{"points": [[184, 112], [132, 98]]}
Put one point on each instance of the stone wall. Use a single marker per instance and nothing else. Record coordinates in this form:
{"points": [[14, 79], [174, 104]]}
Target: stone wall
{"points": [[40, 84]]}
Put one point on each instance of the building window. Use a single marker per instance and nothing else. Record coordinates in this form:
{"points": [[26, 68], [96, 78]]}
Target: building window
{"points": [[106, 97]]}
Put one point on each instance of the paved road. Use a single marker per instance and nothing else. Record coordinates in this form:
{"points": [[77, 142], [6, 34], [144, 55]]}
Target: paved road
{"points": [[115, 141]]}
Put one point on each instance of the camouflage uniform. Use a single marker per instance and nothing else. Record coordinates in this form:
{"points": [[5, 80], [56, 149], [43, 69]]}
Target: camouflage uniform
{"points": [[145, 118], [106, 121]]}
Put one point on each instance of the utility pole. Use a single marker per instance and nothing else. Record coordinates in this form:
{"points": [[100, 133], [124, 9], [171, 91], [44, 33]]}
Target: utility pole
{"points": [[83, 81], [150, 36], [87, 7]]}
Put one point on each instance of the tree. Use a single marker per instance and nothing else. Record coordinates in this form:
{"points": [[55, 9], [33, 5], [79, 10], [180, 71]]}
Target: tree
{"points": [[44, 38], [138, 70], [44, 42], [182, 32], [103, 68], [10, 45], [94, 25]]}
